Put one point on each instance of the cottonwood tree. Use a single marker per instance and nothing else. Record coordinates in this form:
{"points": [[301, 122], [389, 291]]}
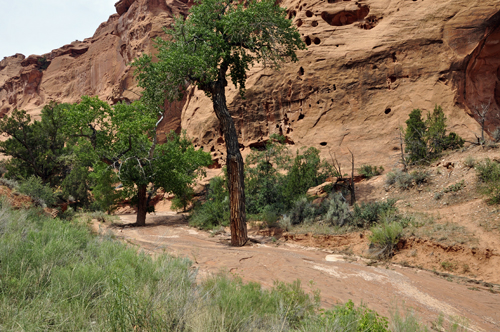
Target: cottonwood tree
{"points": [[121, 144], [219, 38]]}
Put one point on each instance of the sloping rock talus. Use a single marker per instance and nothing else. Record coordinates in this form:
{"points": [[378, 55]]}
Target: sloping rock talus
{"points": [[368, 64]]}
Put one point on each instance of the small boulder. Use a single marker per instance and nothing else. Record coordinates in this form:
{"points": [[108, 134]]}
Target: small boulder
{"points": [[319, 191]]}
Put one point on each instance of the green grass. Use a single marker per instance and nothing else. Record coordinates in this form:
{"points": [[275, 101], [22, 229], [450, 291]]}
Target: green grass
{"points": [[56, 276], [385, 237]]}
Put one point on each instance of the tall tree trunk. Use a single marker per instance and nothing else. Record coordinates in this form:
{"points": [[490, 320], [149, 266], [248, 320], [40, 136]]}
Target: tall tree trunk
{"points": [[235, 166], [142, 205]]}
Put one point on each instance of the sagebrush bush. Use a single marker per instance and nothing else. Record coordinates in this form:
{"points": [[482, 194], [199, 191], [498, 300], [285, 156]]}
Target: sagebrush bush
{"points": [[419, 176], [11, 183], [384, 238], [469, 162], [370, 171], [367, 214], [496, 135], [403, 180], [337, 213], [488, 174], [305, 211], [41, 194], [269, 216]]}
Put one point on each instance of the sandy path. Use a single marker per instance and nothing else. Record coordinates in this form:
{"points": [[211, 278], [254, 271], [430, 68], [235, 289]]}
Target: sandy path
{"points": [[336, 278]]}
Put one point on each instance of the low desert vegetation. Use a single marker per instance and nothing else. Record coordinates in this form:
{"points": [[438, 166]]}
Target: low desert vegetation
{"points": [[56, 275], [427, 139], [96, 155], [41, 194], [404, 180], [276, 182], [488, 175], [384, 238], [369, 171]]}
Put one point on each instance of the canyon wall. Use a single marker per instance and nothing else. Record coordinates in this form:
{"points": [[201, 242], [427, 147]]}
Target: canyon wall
{"points": [[368, 64]]}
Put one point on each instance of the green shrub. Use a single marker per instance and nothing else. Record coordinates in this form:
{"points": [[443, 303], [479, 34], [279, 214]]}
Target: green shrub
{"points": [[436, 137], [41, 194], [12, 184], [306, 171], [406, 322], [346, 318], [400, 179], [438, 195], [419, 176], [100, 216], [455, 187], [269, 216], [469, 162], [368, 214], [453, 142], [183, 199], [449, 266], [69, 214], [488, 174], [43, 63], [496, 135], [264, 176], [37, 147], [404, 181], [232, 305], [273, 178], [384, 238], [415, 144], [337, 213], [369, 171], [304, 211], [426, 140], [214, 211], [77, 185]]}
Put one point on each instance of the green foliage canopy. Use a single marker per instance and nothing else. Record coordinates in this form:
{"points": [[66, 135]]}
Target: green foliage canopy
{"points": [[36, 147], [120, 143], [427, 139], [218, 35], [415, 136]]}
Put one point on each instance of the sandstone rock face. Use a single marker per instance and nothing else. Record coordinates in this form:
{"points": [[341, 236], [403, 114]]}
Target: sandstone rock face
{"points": [[368, 64], [96, 66]]}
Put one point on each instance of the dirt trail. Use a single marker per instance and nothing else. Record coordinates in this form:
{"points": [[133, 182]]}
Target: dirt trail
{"points": [[338, 279]]}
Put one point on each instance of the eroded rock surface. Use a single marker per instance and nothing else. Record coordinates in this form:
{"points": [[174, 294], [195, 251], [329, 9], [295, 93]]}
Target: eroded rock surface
{"points": [[99, 65], [368, 64]]}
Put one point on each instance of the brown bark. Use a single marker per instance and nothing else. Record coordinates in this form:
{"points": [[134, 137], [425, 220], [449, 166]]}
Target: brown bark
{"points": [[142, 205], [235, 166], [353, 192]]}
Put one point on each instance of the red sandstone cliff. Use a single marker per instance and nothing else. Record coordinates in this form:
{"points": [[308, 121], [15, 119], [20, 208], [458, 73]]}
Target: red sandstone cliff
{"points": [[368, 64]]}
